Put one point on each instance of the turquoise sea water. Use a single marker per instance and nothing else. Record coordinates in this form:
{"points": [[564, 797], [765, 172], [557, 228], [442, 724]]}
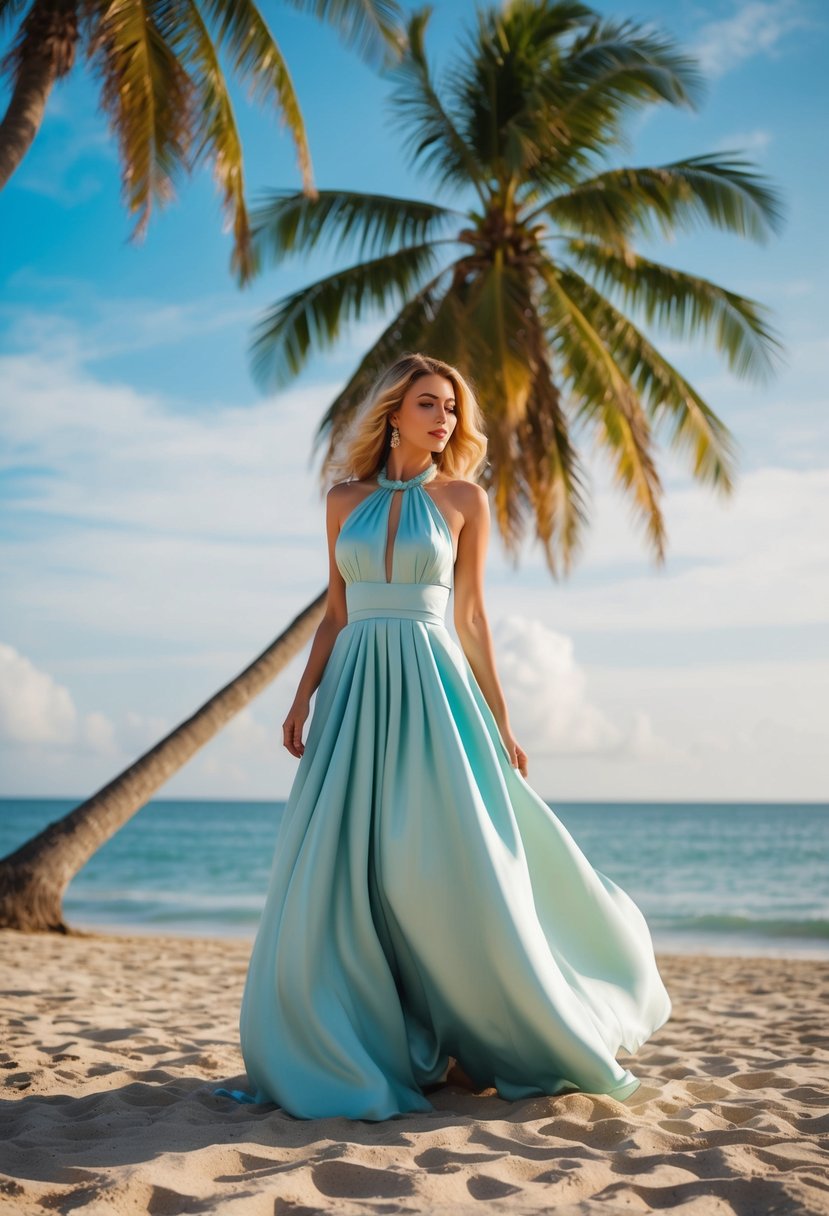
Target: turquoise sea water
{"points": [[730, 878]]}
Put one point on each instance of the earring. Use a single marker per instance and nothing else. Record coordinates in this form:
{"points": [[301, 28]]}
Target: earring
{"points": [[395, 437]]}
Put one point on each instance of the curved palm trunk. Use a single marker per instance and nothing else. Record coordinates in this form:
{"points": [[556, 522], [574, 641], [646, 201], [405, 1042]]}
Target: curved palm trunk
{"points": [[43, 52], [34, 877]]}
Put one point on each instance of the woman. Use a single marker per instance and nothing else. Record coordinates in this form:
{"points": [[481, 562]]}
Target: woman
{"points": [[425, 905]]}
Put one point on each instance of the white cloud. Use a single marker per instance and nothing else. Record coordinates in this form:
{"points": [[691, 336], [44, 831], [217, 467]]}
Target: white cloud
{"points": [[33, 708], [643, 742], [758, 27], [98, 733], [744, 140], [36, 710], [551, 711], [113, 326], [750, 730], [759, 560]]}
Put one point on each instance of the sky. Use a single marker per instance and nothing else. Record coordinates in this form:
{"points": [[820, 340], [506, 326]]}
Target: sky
{"points": [[161, 515]]}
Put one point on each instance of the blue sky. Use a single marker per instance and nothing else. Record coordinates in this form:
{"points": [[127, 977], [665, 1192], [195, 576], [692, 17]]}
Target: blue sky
{"points": [[161, 521]]}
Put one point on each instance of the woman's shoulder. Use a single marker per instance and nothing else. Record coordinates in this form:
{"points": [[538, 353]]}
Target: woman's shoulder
{"points": [[463, 493], [461, 501], [343, 496], [353, 485], [462, 485]]}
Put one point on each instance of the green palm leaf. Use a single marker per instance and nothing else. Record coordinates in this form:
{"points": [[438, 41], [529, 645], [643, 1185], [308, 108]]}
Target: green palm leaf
{"points": [[681, 195], [214, 124], [614, 67], [605, 395], [313, 316], [286, 222], [555, 478], [149, 98], [429, 132], [258, 61], [686, 304], [497, 308], [665, 391]]}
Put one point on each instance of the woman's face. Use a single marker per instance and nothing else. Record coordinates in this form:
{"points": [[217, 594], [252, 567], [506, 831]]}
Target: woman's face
{"points": [[427, 418]]}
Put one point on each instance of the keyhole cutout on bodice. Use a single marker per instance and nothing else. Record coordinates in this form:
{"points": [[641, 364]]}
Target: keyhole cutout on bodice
{"points": [[391, 530]]}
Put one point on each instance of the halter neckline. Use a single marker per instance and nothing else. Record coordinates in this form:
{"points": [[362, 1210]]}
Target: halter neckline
{"points": [[418, 480]]}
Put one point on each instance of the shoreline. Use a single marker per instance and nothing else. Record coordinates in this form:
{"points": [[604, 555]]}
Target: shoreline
{"points": [[112, 1043], [799, 949]]}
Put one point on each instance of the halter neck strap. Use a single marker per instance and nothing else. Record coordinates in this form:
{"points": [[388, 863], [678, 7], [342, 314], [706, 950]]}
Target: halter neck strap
{"points": [[418, 480]]}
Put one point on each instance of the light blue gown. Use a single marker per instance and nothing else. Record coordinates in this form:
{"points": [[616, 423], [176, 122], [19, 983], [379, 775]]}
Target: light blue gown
{"points": [[424, 901]]}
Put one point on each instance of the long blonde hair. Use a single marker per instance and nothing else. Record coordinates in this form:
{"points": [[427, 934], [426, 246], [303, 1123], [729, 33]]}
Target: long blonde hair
{"points": [[367, 441]]}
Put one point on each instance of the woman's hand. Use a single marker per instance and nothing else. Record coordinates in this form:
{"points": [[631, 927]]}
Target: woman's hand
{"points": [[292, 726], [517, 755]]}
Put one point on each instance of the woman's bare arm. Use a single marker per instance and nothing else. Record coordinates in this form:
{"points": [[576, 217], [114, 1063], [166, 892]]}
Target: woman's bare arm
{"points": [[471, 620], [335, 617], [336, 613]]}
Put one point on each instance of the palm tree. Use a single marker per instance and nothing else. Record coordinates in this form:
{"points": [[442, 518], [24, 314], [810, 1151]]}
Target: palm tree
{"points": [[523, 306], [164, 89], [528, 114]]}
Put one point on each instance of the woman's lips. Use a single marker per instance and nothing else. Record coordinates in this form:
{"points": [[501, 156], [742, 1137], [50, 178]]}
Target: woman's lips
{"points": [[439, 434]]}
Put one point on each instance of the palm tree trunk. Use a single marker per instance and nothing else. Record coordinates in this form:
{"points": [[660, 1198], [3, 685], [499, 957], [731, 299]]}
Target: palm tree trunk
{"points": [[34, 877], [43, 51]]}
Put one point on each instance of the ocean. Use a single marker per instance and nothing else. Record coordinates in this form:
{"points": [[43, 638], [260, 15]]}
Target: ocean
{"points": [[728, 878]]}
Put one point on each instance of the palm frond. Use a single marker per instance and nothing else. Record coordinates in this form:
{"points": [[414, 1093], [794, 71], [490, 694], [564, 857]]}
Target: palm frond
{"points": [[527, 115], [290, 222], [679, 195], [257, 59], [556, 479], [433, 140], [215, 123], [533, 107], [498, 311], [149, 98], [605, 395], [614, 66], [665, 391], [686, 304], [503, 87], [498, 308], [312, 317]]}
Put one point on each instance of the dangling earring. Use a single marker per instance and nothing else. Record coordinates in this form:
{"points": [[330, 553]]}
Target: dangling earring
{"points": [[395, 437]]}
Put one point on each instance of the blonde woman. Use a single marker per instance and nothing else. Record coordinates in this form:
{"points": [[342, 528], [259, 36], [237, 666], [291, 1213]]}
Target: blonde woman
{"points": [[428, 917]]}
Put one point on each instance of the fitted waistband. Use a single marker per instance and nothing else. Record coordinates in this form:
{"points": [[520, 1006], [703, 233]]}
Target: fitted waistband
{"points": [[416, 601]]}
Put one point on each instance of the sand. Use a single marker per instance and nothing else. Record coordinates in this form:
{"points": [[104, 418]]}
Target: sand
{"points": [[111, 1045]]}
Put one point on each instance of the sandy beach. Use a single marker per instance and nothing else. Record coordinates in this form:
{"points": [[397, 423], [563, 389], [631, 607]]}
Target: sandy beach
{"points": [[111, 1046]]}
